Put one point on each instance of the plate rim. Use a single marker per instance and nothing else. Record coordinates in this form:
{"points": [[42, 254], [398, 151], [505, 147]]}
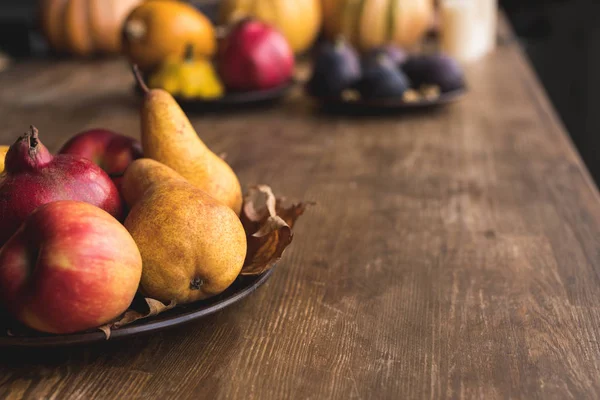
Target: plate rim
{"points": [[393, 102], [232, 98], [144, 326]]}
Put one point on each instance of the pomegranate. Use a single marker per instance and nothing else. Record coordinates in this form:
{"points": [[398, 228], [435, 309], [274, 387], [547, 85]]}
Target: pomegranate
{"points": [[33, 177], [254, 56]]}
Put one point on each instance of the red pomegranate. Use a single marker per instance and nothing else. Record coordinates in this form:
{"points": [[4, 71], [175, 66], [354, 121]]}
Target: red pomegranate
{"points": [[33, 177], [255, 56]]}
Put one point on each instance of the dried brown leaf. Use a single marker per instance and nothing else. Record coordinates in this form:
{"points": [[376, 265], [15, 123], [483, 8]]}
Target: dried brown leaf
{"points": [[106, 330], [291, 214], [259, 204], [150, 309], [268, 226], [155, 307]]}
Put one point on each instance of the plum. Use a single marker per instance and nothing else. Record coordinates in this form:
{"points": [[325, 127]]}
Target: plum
{"points": [[336, 68], [435, 69], [381, 78]]}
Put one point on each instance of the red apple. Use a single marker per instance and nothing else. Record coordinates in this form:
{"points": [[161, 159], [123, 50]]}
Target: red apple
{"points": [[255, 56], [111, 151], [70, 267]]}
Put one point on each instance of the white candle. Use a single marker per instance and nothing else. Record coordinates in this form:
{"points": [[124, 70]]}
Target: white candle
{"points": [[468, 28]]}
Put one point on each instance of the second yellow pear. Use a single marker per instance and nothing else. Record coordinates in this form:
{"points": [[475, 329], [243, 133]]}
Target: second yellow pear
{"points": [[3, 151], [169, 137]]}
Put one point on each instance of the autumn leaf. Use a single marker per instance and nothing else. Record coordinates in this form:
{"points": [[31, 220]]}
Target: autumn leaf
{"points": [[152, 308], [268, 226]]}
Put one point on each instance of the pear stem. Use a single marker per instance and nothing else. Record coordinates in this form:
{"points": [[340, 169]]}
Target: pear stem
{"points": [[138, 77]]}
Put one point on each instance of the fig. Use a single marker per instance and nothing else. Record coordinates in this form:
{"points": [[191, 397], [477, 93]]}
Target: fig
{"points": [[434, 69], [336, 68], [33, 177], [395, 53], [381, 78]]}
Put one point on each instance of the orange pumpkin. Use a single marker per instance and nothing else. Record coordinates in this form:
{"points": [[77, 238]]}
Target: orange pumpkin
{"points": [[161, 30], [84, 27], [372, 23]]}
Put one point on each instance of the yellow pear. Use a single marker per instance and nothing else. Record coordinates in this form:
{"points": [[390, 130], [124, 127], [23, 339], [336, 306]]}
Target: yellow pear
{"points": [[3, 151], [169, 137], [193, 247]]}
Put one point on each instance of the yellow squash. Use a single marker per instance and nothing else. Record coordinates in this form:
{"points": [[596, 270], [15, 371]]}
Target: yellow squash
{"points": [[191, 78], [298, 20], [367, 24]]}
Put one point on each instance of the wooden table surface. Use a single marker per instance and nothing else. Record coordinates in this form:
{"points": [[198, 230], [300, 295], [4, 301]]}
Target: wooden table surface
{"points": [[452, 254]]}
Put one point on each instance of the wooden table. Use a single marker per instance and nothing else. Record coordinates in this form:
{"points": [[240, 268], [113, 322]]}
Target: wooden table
{"points": [[452, 254]]}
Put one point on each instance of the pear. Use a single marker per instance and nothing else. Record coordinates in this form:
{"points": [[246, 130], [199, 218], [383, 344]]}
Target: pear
{"points": [[3, 151], [169, 137], [192, 246]]}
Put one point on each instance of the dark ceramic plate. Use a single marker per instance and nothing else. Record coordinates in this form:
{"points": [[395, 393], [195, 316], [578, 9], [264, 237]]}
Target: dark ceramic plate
{"points": [[390, 104], [242, 287], [235, 100]]}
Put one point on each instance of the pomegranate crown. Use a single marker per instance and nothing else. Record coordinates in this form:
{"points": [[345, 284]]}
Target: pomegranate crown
{"points": [[27, 153]]}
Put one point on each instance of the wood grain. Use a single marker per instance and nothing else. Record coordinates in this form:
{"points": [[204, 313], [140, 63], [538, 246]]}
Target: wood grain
{"points": [[452, 254]]}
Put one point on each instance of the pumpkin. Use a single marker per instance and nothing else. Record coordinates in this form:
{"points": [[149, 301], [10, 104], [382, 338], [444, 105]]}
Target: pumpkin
{"points": [[369, 24], [298, 20], [84, 27], [158, 30]]}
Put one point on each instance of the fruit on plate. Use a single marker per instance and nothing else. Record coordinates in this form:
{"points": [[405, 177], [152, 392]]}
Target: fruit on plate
{"points": [[336, 68], [109, 150], [169, 137], [193, 247], [435, 69], [372, 23], [33, 177], [395, 53], [85, 27], [191, 78], [161, 29], [70, 267], [382, 78], [254, 56], [298, 20], [3, 151]]}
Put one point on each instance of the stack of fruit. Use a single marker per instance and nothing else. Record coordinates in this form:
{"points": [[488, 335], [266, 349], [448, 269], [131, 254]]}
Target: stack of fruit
{"points": [[384, 73], [175, 46], [67, 264]]}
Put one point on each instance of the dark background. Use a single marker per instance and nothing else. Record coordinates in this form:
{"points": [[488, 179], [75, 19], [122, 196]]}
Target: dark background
{"points": [[561, 37]]}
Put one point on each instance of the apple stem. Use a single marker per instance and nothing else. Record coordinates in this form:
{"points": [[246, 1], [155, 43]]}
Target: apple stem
{"points": [[138, 77]]}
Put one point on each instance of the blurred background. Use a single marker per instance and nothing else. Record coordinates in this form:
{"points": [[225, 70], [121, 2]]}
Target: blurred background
{"points": [[561, 38]]}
